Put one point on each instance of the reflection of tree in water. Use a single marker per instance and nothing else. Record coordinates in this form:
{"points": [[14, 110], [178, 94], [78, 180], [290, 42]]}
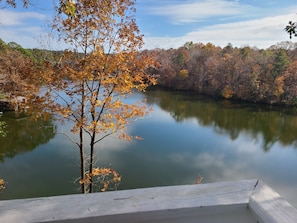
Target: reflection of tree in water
{"points": [[2, 128], [23, 134], [272, 123]]}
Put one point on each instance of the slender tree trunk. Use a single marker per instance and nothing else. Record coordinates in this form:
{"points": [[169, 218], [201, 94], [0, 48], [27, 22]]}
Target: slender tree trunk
{"points": [[92, 160], [82, 159], [81, 138], [93, 137]]}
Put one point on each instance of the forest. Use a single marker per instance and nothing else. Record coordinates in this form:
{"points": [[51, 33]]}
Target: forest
{"points": [[249, 74], [16, 63]]}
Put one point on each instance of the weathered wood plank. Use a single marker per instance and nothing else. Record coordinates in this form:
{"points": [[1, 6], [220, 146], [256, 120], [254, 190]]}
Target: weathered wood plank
{"points": [[151, 203], [270, 207]]}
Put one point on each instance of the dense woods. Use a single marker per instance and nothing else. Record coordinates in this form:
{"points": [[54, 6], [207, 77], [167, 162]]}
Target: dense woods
{"points": [[249, 74], [16, 66], [14, 62]]}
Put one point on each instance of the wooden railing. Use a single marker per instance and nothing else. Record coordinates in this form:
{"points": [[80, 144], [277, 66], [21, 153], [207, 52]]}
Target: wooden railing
{"points": [[240, 201]]}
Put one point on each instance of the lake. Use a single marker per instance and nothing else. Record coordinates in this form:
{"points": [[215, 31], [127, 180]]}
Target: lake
{"points": [[185, 137]]}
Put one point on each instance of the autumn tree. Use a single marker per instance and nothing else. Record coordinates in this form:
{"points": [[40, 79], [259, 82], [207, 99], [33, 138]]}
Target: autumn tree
{"points": [[2, 134], [89, 83], [290, 80], [247, 74], [14, 65]]}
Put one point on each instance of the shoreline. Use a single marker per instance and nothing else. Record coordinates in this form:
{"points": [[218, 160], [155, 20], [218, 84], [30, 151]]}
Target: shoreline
{"points": [[220, 97]]}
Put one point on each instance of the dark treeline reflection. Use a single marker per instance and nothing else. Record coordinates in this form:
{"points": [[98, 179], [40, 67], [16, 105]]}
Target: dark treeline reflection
{"points": [[273, 123], [22, 134]]}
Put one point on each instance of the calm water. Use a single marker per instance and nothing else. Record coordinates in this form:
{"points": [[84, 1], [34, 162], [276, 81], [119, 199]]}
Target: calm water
{"points": [[186, 136]]}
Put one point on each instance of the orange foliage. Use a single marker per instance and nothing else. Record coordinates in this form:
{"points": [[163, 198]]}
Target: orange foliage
{"points": [[14, 73], [2, 184], [89, 84], [184, 73], [248, 74], [105, 178], [227, 92], [279, 84], [199, 180]]}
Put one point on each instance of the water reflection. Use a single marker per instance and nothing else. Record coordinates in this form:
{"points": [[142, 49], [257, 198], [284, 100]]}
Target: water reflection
{"points": [[21, 134], [273, 124], [186, 136]]}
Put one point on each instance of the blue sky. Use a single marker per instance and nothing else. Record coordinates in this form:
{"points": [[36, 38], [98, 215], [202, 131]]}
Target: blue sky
{"points": [[171, 23]]}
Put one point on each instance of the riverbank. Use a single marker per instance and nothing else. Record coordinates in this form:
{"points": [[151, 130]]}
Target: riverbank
{"points": [[12, 104], [215, 96], [5, 106], [247, 74]]}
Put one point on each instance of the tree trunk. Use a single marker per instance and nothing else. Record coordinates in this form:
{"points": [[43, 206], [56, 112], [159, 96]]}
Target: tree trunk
{"points": [[93, 137], [82, 160], [91, 162], [81, 138]]}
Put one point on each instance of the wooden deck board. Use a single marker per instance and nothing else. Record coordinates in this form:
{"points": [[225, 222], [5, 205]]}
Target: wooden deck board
{"points": [[215, 202]]}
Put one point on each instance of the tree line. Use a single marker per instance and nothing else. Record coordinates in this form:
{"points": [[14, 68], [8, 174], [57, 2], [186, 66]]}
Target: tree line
{"points": [[16, 66], [248, 74], [13, 62]]}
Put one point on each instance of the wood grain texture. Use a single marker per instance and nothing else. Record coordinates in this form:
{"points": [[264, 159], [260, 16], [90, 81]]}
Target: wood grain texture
{"points": [[268, 206], [247, 200]]}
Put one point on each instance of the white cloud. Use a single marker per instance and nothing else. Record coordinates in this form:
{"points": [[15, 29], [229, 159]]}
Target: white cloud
{"points": [[11, 18], [193, 11], [21, 27], [167, 42], [262, 33], [27, 37]]}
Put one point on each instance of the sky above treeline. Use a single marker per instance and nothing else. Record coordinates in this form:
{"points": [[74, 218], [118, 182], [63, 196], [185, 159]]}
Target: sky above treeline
{"points": [[171, 23]]}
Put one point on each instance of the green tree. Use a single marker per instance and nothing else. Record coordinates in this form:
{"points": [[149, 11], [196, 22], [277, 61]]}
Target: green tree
{"points": [[281, 62], [2, 129], [3, 45], [89, 83], [291, 29], [179, 59]]}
